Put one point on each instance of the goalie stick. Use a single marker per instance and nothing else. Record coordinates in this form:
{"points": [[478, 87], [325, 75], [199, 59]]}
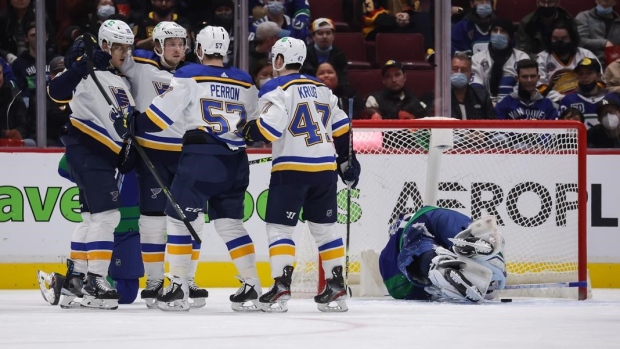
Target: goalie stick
{"points": [[548, 285], [88, 43]]}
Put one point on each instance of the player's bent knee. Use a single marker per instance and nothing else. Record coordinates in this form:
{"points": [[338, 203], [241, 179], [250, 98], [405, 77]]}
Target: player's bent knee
{"points": [[323, 232], [277, 232], [108, 220], [229, 229]]}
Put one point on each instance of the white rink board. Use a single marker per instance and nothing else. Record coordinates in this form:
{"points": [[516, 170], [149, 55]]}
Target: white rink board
{"points": [[48, 240]]}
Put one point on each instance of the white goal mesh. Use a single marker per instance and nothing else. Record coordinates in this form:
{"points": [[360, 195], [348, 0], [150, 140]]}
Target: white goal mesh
{"points": [[526, 173]]}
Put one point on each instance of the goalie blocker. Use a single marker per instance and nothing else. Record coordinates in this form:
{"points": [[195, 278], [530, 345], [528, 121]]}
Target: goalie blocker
{"points": [[441, 255]]}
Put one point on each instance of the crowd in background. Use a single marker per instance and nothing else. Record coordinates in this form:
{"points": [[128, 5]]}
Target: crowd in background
{"points": [[559, 61]]}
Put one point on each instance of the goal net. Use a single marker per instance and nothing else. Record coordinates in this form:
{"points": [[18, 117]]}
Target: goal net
{"points": [[529, 174]]}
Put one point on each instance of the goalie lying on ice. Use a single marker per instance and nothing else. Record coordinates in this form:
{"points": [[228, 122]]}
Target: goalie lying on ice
{"points": [[442, 255]]}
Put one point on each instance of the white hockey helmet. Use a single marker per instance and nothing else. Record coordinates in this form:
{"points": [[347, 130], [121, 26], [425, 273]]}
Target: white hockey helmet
{"points": [[213, 40], [166, 30], [115, 31], [292, 50]]}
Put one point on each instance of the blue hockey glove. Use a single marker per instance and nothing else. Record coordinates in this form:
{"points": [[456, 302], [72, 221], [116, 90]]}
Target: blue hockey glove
{"points": [[350, 174], [125, 124]]}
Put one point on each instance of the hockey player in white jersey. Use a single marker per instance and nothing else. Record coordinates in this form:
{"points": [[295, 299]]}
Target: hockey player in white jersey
{"points": [[300, 115], [211, 101], [149, 74], [92, 148]]}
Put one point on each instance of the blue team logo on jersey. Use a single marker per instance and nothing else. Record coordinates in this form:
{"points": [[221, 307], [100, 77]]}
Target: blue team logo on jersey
{"points": [[579, 106], [160, 87], [122, 100]]}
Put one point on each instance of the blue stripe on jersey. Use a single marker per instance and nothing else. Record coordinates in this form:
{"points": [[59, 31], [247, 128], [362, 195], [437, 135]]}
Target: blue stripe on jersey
{"points": [[197, 70], [153, 111], [300, 159], [283, 242], [333, 244], [99, 245], [154, 138], [283, 80], [180, 239], [275, 133], [240, 241], [78, 246], [152, 247], [195, 245]]}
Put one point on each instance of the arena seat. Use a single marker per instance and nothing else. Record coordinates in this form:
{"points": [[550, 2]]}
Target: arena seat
{"points": [[406, 48], [365, 81], [331, 9], [420, 82], [354, 47]]}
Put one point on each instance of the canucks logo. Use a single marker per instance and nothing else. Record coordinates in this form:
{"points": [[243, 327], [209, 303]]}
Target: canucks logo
{"points": [[122, 100]]}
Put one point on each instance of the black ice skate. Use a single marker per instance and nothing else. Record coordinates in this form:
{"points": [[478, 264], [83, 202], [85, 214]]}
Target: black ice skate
{"points": [[197, 295], [51, 286], [276, 298], [332, 299], [153, 289], [246, 298], [99, 294], [71, 288], [175, 296]]}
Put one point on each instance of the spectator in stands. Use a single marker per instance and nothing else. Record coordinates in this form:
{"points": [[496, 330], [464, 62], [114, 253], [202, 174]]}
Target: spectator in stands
{"points": [[323, 50], [276, 13], [13, 114], [525, 102], [396, 16], [163, 10], [267, 33], [220, 13], [535, 28], [556, 64], [25, 68], [394, 101], [468, 102], [8, 75], [599, 28], [14, 28], [327, 73], [572, 114], [261, 72], [298, 10], [494, 68], [590, 91], [606, 134], [99, 11], [472, 34], [612, 76], [57, 113]]}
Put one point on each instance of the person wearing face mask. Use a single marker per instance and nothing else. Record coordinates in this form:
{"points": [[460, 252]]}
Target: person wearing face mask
{"points": [[323, 50], [525, 102], [163, 11], [494, 68], [556, 64], [590, 91], [299, 10], [276, 12], [468, 102], [535, 28], [472, 34], [100, 10], [599, 28], [607, 133], [220, 13]]}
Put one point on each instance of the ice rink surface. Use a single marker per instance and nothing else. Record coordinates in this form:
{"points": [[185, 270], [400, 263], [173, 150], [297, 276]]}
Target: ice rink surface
{"points": [[26, 321]]}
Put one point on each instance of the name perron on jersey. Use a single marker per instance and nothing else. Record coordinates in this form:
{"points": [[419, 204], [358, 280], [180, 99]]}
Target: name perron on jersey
{"points": [[214, 99], [91, 113], [148, 80], [300, 115]]}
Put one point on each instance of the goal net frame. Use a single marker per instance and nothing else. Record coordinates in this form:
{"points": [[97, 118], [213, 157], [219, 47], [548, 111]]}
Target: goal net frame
{"points": [[436, 149]]}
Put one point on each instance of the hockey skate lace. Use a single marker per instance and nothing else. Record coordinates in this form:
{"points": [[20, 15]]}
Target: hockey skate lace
{"points": [[103, 284], [154, 284], [241, 289], [192, 285]]}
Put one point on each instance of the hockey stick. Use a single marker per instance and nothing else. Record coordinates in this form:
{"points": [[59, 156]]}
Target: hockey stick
{"points": [[349, 186], [548, 285], [132, 141], [260, 161]]}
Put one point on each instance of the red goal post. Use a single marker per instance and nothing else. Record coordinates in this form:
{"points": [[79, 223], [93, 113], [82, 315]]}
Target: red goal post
{"points": [[530, 174]]}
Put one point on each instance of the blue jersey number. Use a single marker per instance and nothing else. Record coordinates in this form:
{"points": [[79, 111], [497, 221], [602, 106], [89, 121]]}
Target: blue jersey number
{"points": [[303, 123], [217, 115]]}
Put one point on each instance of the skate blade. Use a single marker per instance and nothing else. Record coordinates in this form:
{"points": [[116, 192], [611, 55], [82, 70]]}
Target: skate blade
{"points": [[197, 302], [337, 306], [177, 305], [280, 306], [151, 303], [46, 284], [91, 302], [68, 302], [249, 306]]}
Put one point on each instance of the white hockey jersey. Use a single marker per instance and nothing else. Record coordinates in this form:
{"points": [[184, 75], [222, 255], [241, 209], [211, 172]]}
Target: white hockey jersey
{"points": [[148, 80], [214, 99], [91, 113], [559, 76], [300, 116], [481, 71]]}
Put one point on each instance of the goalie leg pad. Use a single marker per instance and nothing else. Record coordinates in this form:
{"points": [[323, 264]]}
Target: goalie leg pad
{"points": [[465, 281], [51, 286]]}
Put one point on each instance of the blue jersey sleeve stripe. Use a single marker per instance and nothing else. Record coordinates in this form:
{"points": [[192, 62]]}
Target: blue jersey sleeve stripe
{"points": [[340, 123], [267, 131], [300, 159]]}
